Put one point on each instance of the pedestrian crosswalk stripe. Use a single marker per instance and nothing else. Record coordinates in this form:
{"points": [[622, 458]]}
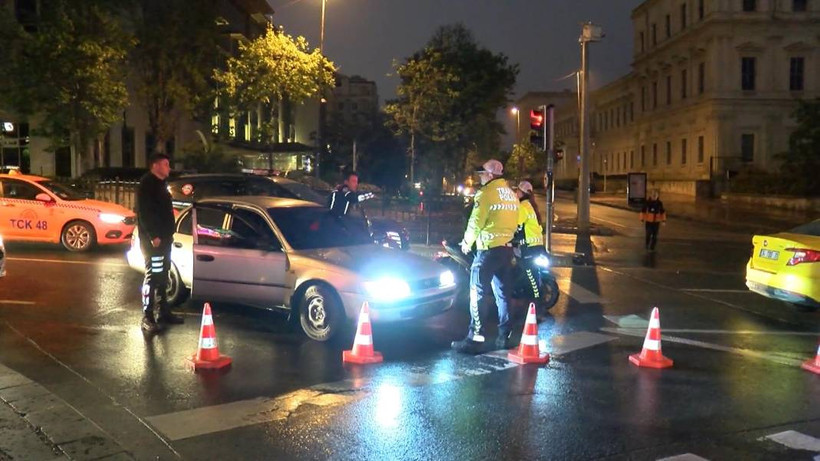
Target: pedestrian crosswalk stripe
{"points": [[795, 440], [579, 293], [684, 457]]}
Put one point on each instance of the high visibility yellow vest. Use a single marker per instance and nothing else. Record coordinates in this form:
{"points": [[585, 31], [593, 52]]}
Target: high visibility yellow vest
{"points": [[528, 221], [495, 216]]}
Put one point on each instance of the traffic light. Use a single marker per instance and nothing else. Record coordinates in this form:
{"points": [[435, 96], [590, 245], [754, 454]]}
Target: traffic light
{"points": [[538, 129]]}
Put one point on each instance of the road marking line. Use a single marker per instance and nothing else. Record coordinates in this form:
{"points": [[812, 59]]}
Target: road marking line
{"points": [[14, 301], [87, 263], [628, 321], [734, 350], [207, 420], [576, 341], [579, 293], [713, 290], [684, 457], [795, 440], [612, 222]]}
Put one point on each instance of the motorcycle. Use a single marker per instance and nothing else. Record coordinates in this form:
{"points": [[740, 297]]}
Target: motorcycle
{"points": [[523, 288]]}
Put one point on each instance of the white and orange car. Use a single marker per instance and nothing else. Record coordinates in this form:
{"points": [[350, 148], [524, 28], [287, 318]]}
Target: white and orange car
{"points": [[37, 209]]}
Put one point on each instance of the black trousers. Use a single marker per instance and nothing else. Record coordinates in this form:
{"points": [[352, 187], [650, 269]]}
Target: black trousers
{"points": [[528, 255], [491, 270], [652, 229], [155, 284]]}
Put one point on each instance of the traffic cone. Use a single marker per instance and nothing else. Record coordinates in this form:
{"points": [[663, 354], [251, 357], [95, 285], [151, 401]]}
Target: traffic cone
{"points": [[207, 356], [528, 350], [813, 365], [362, 351], [651, 355]]}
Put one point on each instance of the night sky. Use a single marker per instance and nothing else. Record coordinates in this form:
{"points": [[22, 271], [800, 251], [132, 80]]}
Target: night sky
{"points": [[364, 37]]}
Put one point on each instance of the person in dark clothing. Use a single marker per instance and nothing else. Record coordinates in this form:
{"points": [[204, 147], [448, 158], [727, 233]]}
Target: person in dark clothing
{"points": [[346, 196], [653, 215], [155, 220]]}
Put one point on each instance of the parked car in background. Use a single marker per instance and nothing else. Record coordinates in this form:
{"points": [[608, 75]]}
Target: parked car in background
{"points": [[298, 257], [87, 181], [186, 189], [37, 209], [786, 266]]}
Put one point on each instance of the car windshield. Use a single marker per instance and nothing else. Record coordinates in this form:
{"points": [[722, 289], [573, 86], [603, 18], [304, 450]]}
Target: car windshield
{"points": [[62, 191], [812, 228], [308, 228], [303, 192]]}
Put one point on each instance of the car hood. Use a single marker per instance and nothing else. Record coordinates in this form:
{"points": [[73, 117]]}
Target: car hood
{"points": [[103, 207], [375, 261]]}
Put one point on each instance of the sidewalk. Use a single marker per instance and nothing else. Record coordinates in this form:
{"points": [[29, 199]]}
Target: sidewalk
{"points": [[712, 211]]}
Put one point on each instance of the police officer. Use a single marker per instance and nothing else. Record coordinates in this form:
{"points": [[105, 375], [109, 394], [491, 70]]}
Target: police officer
{"points": [[653, 215], [155, 216], [491, 228], [529, 236]]}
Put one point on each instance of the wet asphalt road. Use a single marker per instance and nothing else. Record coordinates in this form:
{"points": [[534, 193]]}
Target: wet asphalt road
{"points": [[70, 323]]}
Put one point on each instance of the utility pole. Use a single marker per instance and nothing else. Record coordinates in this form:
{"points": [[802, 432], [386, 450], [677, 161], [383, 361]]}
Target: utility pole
{"points": [[589, 33], [320, 130], [550, 186], [354, 155]]}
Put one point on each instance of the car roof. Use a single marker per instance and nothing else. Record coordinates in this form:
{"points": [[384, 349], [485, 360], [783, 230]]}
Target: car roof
{"points": [[195, 176], [27, 177], [262, 201]]}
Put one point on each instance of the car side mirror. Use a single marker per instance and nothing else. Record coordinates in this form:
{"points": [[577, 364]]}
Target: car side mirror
{"points": [[43, 197]]}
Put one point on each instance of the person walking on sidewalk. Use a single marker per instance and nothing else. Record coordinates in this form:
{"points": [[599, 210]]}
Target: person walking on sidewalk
{"points": [[653, 215], [529, 237], [491, 228], [155, 220]]}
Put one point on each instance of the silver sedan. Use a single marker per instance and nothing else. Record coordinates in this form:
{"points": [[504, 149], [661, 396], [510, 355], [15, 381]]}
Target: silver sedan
{"points": [[294, 255]]}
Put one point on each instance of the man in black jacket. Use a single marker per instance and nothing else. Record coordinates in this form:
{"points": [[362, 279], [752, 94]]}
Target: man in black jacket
{"points": [[155, 216]]}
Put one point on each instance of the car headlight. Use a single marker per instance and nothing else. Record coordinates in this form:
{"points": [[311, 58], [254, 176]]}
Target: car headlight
{"points": [[111, 218], [446, 279], [542, 261], [387, 289]]}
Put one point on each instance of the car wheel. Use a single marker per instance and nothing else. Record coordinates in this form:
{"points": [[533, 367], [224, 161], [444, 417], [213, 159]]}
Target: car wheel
{"points": [[176, 291], [78, 236], [321, 313]]}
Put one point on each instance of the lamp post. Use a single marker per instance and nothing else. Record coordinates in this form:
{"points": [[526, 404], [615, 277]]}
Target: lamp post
{"points": [[589, 33], [320, 131], [515, 111]]}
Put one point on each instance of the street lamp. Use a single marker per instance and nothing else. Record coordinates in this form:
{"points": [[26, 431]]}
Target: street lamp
{"points": [[517, 113], [589, 33], [322, 101]]}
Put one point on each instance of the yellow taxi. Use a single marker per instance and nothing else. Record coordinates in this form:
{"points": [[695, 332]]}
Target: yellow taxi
{"points": [[37, 209], [786, 266]]}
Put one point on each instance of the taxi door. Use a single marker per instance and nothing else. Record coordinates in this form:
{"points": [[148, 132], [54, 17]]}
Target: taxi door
{"points": [[22, 216], [240, 260]]}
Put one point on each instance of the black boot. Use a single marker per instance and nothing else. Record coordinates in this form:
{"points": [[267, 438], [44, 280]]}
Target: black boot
{"points": [[468, 346], [169, 318], [149, 325]]}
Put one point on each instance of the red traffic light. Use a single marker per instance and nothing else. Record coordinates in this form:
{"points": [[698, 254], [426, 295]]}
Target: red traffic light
{"points": [[536, 119]]}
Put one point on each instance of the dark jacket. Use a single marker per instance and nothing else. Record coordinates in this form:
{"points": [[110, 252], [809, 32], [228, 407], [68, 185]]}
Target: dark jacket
{"points": [[653, 211], [342, 200], [155, 214]]}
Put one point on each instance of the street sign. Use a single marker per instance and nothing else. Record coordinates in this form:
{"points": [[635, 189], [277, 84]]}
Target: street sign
{"points": [[13, 142]]}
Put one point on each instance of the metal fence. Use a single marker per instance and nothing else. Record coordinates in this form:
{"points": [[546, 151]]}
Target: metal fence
{"points": [[120, 192]]}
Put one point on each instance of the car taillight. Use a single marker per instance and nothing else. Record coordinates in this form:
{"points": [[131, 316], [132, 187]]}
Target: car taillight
{"points": [[803, 255]]}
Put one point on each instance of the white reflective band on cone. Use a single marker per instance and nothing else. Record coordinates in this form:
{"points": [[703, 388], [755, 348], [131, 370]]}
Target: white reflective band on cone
{"points": [[652, 344], [207, 343], [207, 320], [531, 319], [363, 340], [654, 323], [364, 318], [529, 340]]}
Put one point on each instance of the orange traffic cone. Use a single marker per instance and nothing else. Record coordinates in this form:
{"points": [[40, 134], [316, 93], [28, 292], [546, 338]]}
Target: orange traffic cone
{"points": [[207, 356], [651, 355], [362, 351], [528, 351], [813, 365]]}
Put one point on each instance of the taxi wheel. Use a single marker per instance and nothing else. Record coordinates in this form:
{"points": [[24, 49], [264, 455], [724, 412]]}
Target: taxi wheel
{"points": [[320, 313], [78, 236], [176, 291]]}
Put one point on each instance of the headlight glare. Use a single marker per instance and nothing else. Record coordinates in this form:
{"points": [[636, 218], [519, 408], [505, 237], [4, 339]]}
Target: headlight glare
{"points": [[542, 261], [446, 279], [387, 289], [111, 218]]}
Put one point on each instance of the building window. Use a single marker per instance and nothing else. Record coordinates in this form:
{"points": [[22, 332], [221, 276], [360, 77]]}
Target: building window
{"points": [[631, 111], [643, 48], [668, 26], [654, 34], [632, 160], [749, 5], [643, 99], [668, 90], [668, 152], [643, 156], [700, 149], [701, 78], [683, 16], [747, 73], [683, 151], [655, 154], [655, 95], [747, 147], [799, 5], [683, 82], [796, 67], [700, 9]]}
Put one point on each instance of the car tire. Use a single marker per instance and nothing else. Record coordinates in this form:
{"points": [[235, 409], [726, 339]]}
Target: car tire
{"points": [[78, 236], [321, 314], [177, 292]]}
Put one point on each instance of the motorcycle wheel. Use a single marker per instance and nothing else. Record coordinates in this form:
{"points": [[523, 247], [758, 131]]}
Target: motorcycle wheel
{"points": [[550, 292]]}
